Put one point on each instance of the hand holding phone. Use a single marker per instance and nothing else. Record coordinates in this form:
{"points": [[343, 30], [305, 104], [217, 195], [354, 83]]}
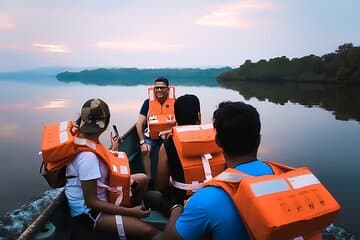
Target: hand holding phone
{"points": [[116, 131]]}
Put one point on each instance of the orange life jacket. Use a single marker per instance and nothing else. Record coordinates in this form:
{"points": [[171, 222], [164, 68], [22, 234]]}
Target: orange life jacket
{"points": [[160, 117], [201, 158], [291, 204], [60, 146]]}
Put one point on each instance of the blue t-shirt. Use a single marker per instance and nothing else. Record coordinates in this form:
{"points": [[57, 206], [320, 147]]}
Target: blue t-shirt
{"points": [[211, 210]]}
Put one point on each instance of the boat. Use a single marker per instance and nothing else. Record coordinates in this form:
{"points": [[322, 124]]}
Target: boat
{"points": [[55, 221]]}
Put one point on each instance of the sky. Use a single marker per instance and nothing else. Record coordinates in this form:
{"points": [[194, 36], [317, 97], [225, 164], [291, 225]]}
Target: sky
{"points": [[170, 33]]}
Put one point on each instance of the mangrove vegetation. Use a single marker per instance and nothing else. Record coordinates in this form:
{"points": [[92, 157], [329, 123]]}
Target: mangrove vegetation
{"points": [[340, 67], [135, 76]]}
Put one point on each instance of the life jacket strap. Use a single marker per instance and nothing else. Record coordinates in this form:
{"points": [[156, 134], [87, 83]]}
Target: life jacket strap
{"points": [[194, 186], [164, 133], [120, 227], [84, 142], [206, 166], [118, 190], [118, 154]]}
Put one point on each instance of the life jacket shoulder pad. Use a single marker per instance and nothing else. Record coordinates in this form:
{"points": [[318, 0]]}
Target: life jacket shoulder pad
{"points": [[286, 205], [195, 140]]}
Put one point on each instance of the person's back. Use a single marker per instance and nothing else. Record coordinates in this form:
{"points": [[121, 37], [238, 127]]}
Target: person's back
{"points": [[187, 112], [210, 211], [274, 201]]}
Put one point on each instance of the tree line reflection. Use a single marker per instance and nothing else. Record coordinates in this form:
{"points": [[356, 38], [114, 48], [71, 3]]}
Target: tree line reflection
{"points": [[342, 101]]}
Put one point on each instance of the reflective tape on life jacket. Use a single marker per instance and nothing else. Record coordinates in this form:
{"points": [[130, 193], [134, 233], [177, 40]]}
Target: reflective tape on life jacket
{"points": [[291, 204], [60, 145], [161, 117], [200, 157]]}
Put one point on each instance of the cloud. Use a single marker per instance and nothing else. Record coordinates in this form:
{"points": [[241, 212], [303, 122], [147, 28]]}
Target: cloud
{"points": [[138, 46], [51, 48], [55, 104], [235, 15], [7, 22]]}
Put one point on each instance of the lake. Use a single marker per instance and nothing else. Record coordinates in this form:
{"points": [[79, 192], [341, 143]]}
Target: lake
{"points": [[302, 125]]}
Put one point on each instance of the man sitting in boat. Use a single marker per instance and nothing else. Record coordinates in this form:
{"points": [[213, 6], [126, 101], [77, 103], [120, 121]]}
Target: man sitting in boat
{"points": [[91, 173], [157, 113], [183, 169], [272, 200], [210, 210]]}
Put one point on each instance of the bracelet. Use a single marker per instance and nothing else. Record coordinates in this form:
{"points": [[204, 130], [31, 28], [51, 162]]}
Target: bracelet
{"points": [[176, 206]]}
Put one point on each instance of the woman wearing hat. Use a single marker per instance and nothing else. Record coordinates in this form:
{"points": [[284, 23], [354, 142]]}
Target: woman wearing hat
{"points": [[88, 201]]}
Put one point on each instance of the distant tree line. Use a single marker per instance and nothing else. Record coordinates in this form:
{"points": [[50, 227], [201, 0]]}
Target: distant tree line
{"points": [[342, 66], [135, 76]]}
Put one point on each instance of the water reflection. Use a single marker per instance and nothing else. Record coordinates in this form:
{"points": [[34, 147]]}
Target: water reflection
{"points": [[342, 101], [291, 133]]}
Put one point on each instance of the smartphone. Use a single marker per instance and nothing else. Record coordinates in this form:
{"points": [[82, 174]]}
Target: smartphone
{"points": [[116, 131]]}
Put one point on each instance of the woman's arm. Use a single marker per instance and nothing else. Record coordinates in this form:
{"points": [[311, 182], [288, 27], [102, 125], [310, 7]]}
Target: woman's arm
{"points": [[89, 188]]}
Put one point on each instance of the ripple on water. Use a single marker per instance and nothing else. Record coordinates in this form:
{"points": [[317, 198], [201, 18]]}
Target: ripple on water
{"points": [[13, 223]]}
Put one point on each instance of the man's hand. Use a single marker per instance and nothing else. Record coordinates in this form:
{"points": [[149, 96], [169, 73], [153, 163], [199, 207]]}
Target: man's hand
{"points": [[145, 147]]}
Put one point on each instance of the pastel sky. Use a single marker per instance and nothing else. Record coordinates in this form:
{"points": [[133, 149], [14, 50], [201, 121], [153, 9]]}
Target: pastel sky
{"points": [[170, 33]]}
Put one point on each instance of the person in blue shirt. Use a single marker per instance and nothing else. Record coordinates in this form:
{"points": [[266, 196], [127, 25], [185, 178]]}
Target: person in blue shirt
{"points": [[210, 212]]}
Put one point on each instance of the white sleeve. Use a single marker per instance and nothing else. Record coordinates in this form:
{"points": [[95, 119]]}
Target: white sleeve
{"points": [[87, 166]]}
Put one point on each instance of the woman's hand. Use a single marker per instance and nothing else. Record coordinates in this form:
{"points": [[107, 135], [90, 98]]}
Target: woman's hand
{"points": [[115, 140], [139, 211]]}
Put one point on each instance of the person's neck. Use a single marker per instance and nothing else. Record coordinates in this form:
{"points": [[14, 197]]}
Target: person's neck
{"points": [[92, 137], [161, 100], [233, 161]]}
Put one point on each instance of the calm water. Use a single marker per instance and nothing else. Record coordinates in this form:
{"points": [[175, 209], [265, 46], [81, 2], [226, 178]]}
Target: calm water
{"points": [[293, 132]]}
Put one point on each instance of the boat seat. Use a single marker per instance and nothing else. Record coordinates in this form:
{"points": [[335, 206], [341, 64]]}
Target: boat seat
{"points": [[156, 219]]}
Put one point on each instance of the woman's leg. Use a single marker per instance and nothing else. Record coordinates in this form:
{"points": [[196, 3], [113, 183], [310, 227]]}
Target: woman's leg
{"points": [[142, 182], [132, 226]]}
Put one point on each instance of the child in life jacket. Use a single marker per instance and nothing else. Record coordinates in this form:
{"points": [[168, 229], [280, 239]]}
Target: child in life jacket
{"points": [[87, 194]]}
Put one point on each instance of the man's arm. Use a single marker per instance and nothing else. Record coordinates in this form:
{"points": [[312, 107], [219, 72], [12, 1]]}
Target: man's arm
{"points": [[140, 126], [192, 222], [170, 230]]}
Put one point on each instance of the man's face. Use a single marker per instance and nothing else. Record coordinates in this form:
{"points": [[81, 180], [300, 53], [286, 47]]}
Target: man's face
{"points": [[161, 91]]}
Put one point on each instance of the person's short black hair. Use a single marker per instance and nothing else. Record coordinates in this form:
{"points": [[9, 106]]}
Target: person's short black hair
{"points": [[237, 127], [162, 79], [186, 109]]}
